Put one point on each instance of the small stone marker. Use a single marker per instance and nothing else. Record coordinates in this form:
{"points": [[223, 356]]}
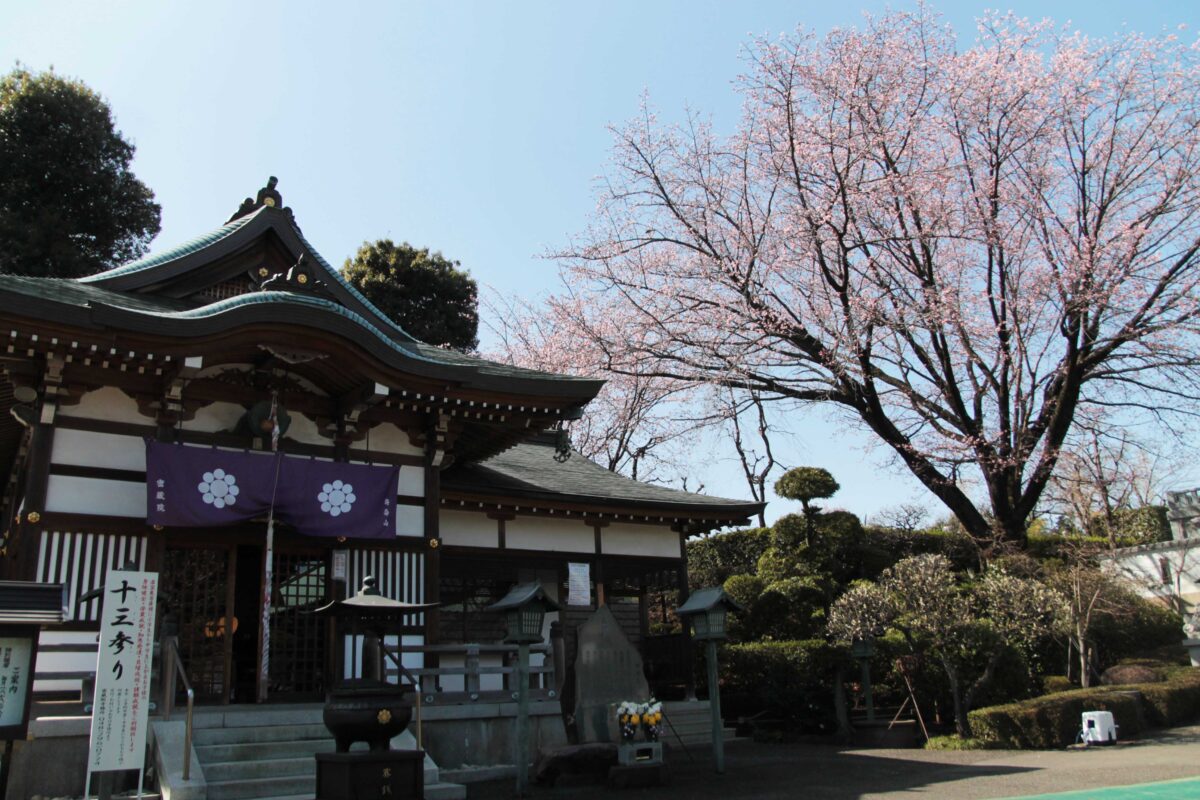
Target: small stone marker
{"points": [[608, 669]]}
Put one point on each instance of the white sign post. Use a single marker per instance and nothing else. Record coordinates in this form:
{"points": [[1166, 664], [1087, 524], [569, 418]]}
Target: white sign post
{"points": [[15, 655], [122, 703]]}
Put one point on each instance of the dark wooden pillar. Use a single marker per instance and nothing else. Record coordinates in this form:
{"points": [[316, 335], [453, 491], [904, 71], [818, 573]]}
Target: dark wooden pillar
{"points": [[433, 540], [682, 576], [37, 480]]}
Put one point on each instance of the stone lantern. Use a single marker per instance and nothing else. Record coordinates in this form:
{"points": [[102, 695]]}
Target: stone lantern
{"points": [[524, 609], [707, 610]]}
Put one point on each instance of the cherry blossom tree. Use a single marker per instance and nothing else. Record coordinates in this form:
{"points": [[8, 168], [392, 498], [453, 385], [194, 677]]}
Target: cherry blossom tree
{"points": [[960, 249], [634, 421]]}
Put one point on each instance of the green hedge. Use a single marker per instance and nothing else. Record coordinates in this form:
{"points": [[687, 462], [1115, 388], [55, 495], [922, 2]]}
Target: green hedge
{"points": [[882, 547], [714, 559], [1053, 720], [788, 678]]}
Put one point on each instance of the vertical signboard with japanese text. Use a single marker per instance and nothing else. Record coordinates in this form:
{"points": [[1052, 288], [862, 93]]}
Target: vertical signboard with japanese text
{"points": [[18, 646], [118, 739]]}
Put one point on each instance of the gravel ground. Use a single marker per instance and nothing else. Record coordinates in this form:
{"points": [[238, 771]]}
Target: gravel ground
{"points": [[820, 772]]}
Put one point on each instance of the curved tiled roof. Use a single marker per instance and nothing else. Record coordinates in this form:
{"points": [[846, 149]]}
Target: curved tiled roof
{"points": [[173, 253], [262, 218], [153, 312]]}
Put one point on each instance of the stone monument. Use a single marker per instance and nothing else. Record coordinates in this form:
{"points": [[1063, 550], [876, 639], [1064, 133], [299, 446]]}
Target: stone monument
{"points": [[608, 670]]}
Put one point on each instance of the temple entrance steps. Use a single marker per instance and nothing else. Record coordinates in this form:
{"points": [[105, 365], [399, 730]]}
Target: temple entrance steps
{"points": [[266, 753]]}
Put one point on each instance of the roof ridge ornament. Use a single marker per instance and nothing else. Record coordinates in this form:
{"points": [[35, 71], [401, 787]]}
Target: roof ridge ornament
{"points": [[300, 278], [267, 196]]}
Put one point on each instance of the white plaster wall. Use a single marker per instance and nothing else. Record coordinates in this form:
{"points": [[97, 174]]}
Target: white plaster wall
{"points": [[390, 439], [549, 535], [639, 540], [410, 520], [91, 449], [412, 481], [352, 645], [70, 495], [468, 529], [1141, 569], [215, 417], [64, 662], [109, 404], [304, 430]]}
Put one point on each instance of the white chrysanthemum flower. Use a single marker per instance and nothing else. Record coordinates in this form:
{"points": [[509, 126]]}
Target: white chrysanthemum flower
{"points": [[336, 498], [218, 488]]}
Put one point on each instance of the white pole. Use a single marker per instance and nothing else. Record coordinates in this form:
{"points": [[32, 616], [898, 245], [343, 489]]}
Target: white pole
{"points": [[265, 627], [264, 670]]}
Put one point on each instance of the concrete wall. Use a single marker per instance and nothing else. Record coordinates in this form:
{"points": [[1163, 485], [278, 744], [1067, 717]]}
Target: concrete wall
{"points": [[479, 735], [53, 761]]}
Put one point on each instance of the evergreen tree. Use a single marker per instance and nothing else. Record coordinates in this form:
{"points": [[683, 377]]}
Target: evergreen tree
{"points": [[69, 203]]}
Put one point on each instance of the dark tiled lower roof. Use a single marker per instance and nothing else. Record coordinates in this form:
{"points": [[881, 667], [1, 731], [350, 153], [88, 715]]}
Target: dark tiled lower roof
{"points": [[530, 471], [67, 291]]}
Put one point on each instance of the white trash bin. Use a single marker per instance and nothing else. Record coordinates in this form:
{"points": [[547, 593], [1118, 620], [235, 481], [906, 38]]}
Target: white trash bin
{"points": [[1098, 728]]}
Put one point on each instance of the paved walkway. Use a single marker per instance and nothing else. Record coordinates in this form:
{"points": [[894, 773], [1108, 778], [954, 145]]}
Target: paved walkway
{"points": [[815, 772]]}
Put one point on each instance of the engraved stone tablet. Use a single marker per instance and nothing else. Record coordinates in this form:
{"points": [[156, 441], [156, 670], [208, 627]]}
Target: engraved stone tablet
{"points": [[608, 669]]}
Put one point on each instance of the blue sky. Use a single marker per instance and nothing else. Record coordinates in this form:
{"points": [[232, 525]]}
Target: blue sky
{"points": [[474, 128]]}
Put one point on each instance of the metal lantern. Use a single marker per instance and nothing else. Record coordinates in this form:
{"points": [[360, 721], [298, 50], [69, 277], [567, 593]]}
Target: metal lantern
{"points": [[524, 608], [707, 609]]}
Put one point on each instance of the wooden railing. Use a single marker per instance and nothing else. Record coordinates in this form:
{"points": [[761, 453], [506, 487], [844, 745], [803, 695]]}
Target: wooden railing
{"points": [[449, 684]]}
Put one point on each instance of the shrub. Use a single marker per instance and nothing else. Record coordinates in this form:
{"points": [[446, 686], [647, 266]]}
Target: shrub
{"points": [[791, 679], [1057, 683], [1126, 673], [1144, 624], [883, 547], [1137, 525], [1175, 701], [1053, 720], [954, 742], [713, 560]]}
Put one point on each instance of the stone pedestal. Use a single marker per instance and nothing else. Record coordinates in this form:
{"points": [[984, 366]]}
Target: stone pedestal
{"points": [[1193, 648], [639, 764], [637, 753], [378, 775]]}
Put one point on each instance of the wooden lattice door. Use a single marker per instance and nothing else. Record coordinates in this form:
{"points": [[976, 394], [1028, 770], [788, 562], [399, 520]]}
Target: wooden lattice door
{"points": [[193, 591], [298, 638]]}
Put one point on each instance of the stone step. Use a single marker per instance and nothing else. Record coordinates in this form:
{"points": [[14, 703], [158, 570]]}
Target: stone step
{"points": [[255, 716], [300, 785], [434, 791], [263, 733], [222, 771], [445, 791], [247, 751]]}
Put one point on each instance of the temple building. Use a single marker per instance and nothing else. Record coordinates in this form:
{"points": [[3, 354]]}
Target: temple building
{"points": [[245, 347]]}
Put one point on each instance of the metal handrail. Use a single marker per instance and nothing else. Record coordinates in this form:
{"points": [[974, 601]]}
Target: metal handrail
{"points": [[172, 667], [416, 689]]}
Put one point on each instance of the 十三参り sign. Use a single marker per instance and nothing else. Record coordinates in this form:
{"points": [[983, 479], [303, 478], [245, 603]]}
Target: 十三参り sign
{"points": [[122, 703]]}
